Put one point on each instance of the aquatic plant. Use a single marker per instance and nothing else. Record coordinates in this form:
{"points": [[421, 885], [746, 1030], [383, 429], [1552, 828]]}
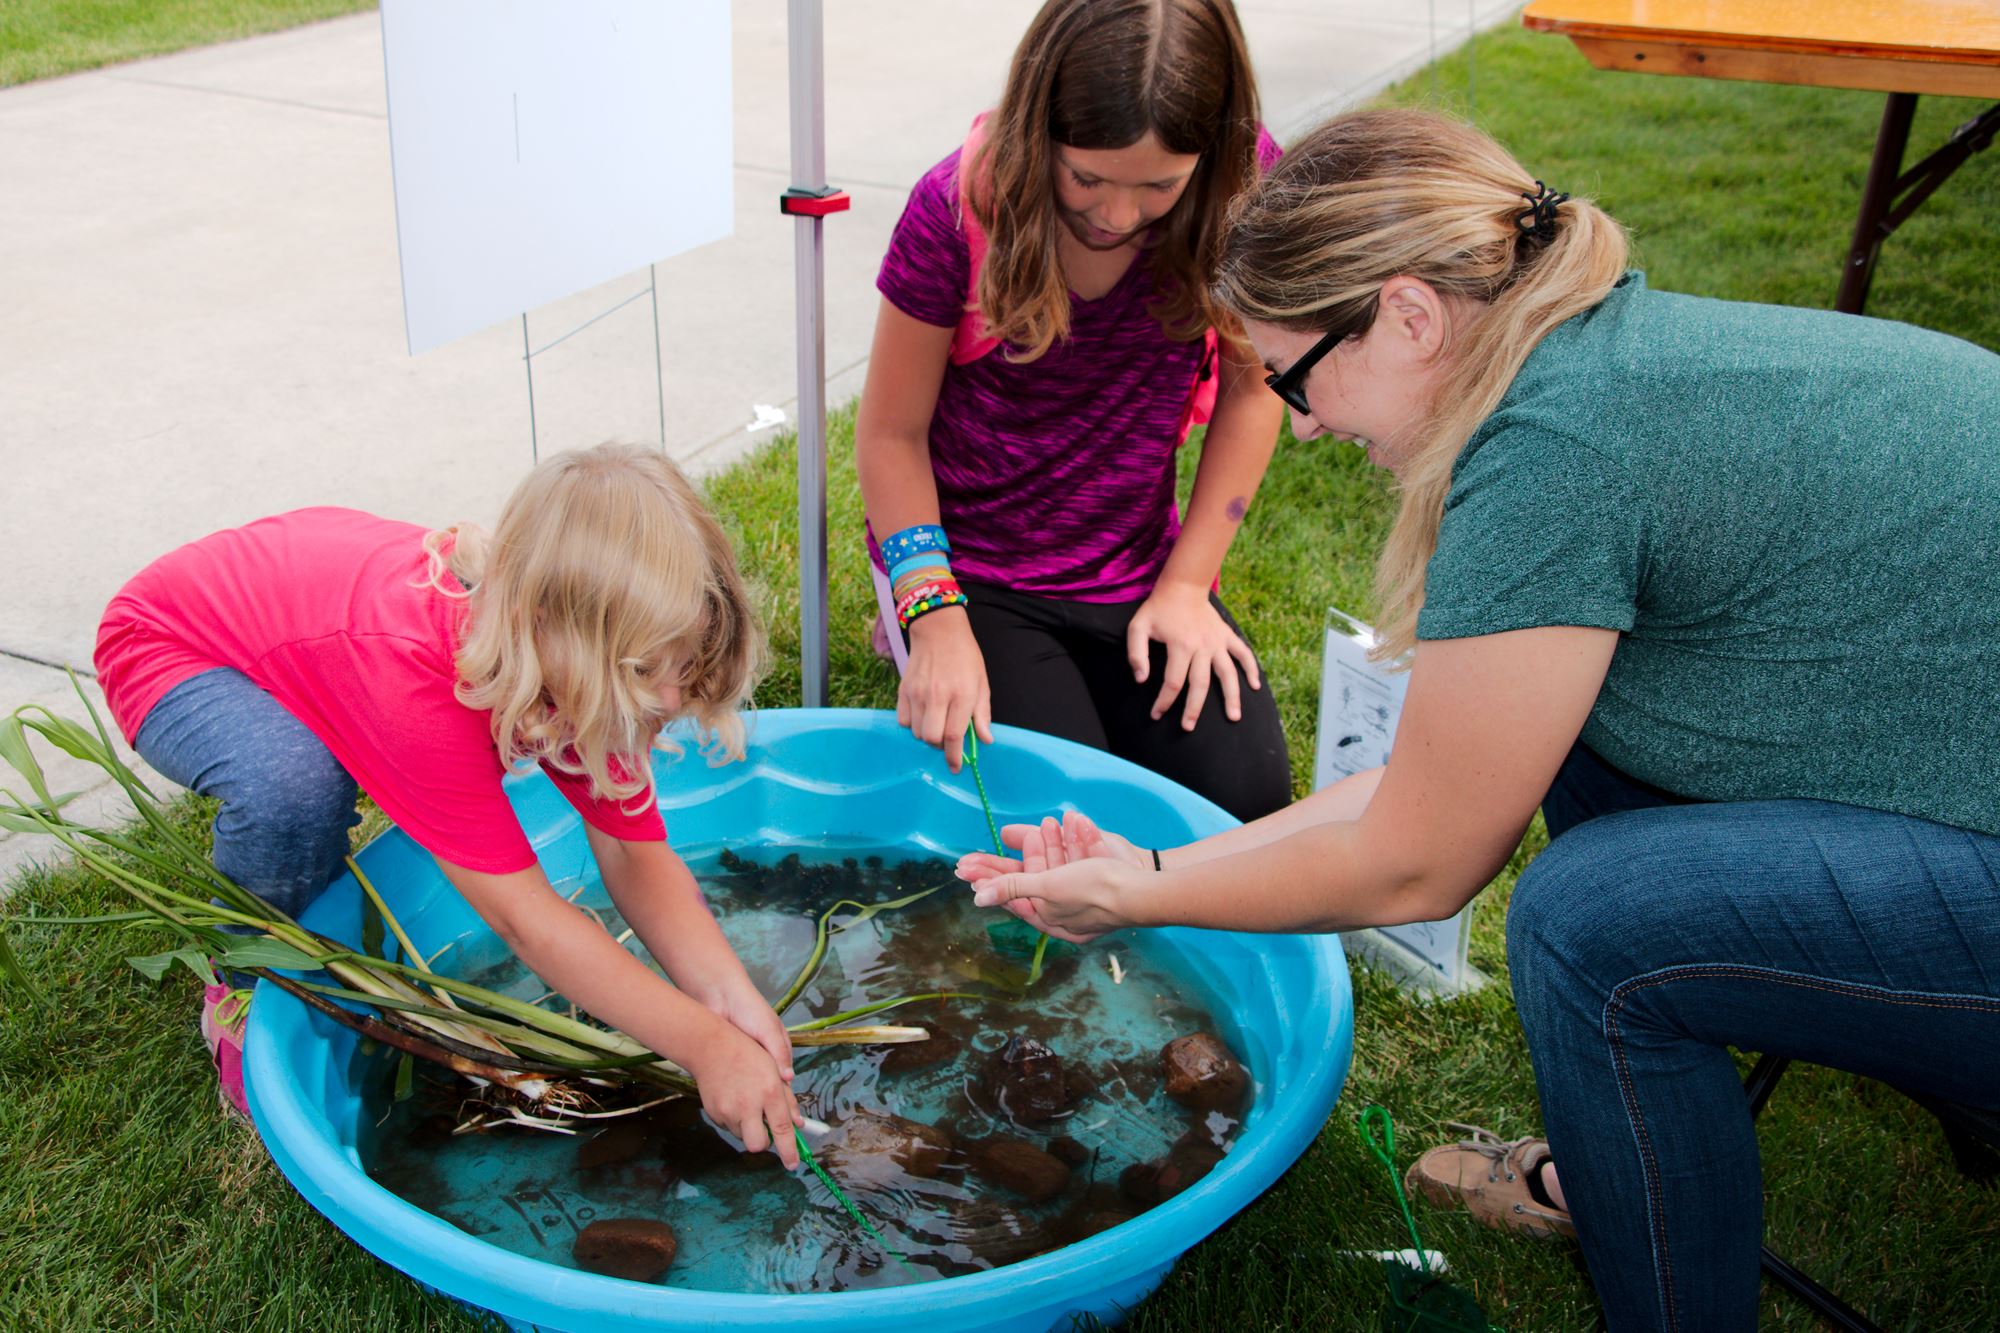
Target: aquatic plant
{"points": [[544, 1067]]}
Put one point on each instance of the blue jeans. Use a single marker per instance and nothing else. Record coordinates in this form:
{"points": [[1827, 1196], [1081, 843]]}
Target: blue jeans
{"points": [[1655, 933], [287, 804]]}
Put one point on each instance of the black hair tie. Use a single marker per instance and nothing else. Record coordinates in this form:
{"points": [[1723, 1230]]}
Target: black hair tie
{"points": [[1538, 219]]}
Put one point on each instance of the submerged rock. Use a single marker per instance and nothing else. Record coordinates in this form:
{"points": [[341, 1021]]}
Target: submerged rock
{"points": [[1202, 1073], [874, 1140], [1026, 1082], [1022, 1167], [636, 1248], [620, 1143], [1092, 1223], [1068, 1151], [687, 1142], [996, 1235], [1150, 1184]]}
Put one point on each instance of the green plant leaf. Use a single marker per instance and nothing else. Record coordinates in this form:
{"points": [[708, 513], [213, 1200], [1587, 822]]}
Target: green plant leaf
{"points": [[262, 951], [109, 918], [13, 973], [371, 927], [155, 966], [406, 1077], [14, 749], [70, 738]]}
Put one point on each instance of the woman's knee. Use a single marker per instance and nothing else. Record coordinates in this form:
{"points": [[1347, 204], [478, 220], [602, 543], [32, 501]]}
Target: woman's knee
{"points": [[1565, 926]]}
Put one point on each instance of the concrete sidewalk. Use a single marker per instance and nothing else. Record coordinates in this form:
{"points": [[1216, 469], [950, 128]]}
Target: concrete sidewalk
{"points": [[203, 314]]}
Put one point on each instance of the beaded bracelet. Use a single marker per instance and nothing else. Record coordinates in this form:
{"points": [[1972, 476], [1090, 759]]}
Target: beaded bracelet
{"points": [[913, 540], [931, 597]]}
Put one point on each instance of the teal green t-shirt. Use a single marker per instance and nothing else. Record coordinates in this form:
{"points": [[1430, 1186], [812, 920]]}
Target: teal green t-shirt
{"points": [[1792, 517]]}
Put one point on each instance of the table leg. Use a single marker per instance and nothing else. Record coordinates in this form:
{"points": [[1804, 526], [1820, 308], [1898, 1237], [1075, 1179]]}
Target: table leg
{"points": [[1876, 197]]}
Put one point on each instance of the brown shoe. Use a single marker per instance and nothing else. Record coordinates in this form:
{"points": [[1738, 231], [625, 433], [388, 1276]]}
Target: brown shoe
{"points": [[1489, 1175]]}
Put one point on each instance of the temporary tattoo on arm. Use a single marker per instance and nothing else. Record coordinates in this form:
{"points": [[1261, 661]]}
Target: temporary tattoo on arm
{"points": [[1236, 509]]}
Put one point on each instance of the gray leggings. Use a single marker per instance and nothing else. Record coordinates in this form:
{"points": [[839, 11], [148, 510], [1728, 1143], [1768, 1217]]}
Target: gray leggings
{"points": [[287, 804]]}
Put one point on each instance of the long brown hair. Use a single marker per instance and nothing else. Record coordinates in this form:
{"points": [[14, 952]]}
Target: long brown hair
{"points": [[1095, 74], [1377, 194]]}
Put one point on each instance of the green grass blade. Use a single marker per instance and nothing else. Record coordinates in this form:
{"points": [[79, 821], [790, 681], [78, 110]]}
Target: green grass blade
{"points": [[14, 974]]}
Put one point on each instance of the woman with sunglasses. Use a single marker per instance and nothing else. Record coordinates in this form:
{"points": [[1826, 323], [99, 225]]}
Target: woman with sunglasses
{"points": [[1716, 587], [1045, 342]]}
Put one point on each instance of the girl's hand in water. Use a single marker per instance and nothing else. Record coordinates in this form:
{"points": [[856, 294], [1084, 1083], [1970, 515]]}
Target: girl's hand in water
{"points": [[742, 1091], [1078, 836], [1073, 890], [944, 687], [1200, 647], [749, 1013]]}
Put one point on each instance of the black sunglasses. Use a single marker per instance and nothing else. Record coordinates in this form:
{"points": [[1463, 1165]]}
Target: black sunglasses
{"points": [[1290, 383]]}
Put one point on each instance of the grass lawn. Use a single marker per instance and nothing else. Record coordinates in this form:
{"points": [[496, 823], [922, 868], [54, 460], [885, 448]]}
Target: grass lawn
{"points": [[126, 1201], [40, 39]]}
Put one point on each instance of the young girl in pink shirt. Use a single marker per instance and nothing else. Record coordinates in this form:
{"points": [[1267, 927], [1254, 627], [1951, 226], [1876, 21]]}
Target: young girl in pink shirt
{"points": [[282, 665]]}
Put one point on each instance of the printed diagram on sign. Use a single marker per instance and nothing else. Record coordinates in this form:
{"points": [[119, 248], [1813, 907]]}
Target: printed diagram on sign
{"points": [[1360, 703]]}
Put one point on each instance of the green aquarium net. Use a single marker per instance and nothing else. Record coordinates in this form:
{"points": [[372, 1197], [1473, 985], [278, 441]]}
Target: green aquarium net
{"points": [[1419, 1300]]}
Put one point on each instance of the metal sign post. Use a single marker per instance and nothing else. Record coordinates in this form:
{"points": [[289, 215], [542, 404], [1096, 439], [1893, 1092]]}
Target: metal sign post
{"points": [[809, 201]]}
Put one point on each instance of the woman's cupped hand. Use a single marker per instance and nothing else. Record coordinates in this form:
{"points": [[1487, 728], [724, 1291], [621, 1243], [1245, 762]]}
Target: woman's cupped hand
{"points": [[1072, 879]]}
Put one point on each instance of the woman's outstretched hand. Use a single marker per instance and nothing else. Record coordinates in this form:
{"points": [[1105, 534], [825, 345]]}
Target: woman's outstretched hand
{"points": [[1079, 838], [1200, 647], [1072, 881]]}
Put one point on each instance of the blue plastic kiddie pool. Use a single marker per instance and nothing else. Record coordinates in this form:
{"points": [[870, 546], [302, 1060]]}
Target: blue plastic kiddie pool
{"points": [[814, 776]]}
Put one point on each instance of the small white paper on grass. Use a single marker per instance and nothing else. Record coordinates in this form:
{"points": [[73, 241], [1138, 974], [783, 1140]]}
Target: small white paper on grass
{"points": [[543, 147], [764, 416]]}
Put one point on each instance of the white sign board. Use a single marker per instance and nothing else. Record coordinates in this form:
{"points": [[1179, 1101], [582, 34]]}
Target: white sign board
{"points": [[541, 147], [1360, 703]]}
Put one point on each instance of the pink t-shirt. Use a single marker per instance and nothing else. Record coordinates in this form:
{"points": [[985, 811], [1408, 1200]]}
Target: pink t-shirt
{"points": [[329, 610]]}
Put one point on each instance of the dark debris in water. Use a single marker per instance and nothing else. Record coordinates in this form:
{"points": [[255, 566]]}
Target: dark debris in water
{"points": [[1015, 1128]]}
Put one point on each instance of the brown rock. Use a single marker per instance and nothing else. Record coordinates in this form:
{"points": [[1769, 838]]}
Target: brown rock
{"points": [[1092, 1223], [1021, 1167], [1150, 1184], [1025, 1080], [688, 1142], [1068, 1151], [1188, 1162], [994, 1234], [933, 1050], [635, 1248], [1202, 1073], [873, 1139], [1140, 1183], [619, 1143]]}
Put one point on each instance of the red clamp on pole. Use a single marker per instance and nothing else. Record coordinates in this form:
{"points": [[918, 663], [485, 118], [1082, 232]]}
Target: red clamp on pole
{"points": [[807, 204]]}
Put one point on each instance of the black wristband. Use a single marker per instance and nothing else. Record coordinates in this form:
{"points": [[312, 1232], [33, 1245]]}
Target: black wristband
{"points": [[1156, 860]]}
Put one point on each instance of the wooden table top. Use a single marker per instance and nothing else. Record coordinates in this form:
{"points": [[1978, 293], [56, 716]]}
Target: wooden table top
{"points": [[1918, 46]]}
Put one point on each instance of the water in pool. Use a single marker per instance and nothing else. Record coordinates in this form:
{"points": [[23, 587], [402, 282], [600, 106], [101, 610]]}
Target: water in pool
{"points": [[1028, 1121]]}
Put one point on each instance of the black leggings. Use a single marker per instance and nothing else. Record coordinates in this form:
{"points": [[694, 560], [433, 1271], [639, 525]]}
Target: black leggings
{"points": [[1060, 668]]}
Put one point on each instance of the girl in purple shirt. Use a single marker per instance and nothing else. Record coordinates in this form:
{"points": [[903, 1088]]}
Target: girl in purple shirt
{"points": [[1045, 339]]}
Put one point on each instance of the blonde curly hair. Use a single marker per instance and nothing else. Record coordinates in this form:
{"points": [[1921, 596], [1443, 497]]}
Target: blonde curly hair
{"points": [[606, 578]]}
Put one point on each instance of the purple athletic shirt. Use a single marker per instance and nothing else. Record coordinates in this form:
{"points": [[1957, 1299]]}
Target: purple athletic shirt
{"points": [[1055, 477]]}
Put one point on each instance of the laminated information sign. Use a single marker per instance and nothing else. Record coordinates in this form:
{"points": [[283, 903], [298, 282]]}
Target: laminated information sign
{"points": [[1360, 702]]}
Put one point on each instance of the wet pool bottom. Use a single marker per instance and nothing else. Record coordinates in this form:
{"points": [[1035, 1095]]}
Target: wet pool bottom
{"points": [[1033, 1116]]}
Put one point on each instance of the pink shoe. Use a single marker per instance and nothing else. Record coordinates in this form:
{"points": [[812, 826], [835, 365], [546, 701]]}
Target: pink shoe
{"points": [[223, 1014]]}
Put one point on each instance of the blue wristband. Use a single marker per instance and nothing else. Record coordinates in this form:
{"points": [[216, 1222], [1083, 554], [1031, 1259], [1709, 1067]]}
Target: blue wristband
{"points": [[914, 540], [922, 560]]}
